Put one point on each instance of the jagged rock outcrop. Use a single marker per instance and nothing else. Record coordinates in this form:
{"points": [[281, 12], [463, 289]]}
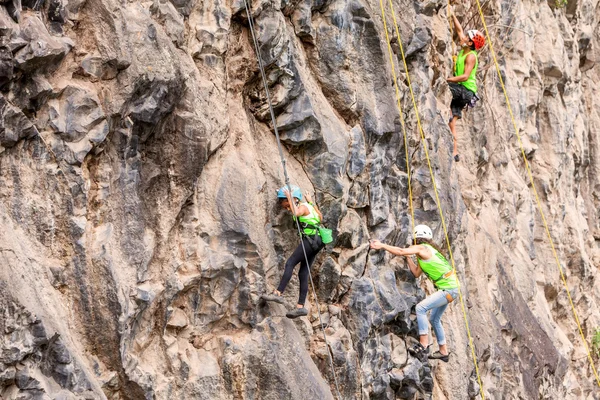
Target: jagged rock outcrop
{"points": [[139, 226]]}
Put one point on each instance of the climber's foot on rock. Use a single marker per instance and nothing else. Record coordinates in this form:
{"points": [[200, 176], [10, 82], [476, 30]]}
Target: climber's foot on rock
{"points": [[297, 312], [418, 350], [274, 297], [439, 356], [456, 158]]}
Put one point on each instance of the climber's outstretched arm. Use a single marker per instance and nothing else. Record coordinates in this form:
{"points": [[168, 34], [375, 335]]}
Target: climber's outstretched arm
{"points": [[459, 29], [416, 250]]}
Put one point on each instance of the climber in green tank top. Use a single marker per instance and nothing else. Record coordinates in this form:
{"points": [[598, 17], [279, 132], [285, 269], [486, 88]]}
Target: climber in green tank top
{"points": [[435, 266], [310, 217], [463, 84]]}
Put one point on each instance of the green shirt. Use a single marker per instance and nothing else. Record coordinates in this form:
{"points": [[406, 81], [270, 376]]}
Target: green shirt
{"points": [[310, 219], [436, 267], [459, 69]]}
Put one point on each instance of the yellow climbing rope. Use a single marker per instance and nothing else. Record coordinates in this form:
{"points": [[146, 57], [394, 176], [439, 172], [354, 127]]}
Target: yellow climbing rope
{"points": [[537, 199], [261, 67], [451, 34], [438, 203], [399, 105]]}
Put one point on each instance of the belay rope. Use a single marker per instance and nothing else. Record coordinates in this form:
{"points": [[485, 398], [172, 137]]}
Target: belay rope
{"points": [[287, 183]]}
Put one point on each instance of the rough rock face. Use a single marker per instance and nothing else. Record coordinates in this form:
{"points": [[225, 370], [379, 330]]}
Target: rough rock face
{"points": [[139, 226]]}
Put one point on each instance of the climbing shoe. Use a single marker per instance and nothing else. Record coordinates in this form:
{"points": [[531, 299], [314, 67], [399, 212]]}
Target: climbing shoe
{"points": [[439, 356], [456, 158], [298, 312], [272, 297], [418, 350]]}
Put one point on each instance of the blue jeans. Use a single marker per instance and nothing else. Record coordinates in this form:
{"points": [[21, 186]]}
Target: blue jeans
{"points": [[438, 303]]}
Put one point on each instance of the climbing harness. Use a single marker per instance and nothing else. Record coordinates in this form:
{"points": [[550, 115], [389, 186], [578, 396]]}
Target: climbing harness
{"points": [[326, 234], [438, 203], [473, 102], [437, 264], [444, 276], [449, 298], [287, 183], [539, 204], [312, 226], [310, 222]]}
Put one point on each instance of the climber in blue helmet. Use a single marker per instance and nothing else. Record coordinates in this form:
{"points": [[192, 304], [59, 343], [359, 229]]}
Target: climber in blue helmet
{"points": [[310, 218]]}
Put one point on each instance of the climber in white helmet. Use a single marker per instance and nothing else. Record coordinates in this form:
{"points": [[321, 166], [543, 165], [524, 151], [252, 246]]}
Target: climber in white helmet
{"points": [[463, 84], [432, 262]]}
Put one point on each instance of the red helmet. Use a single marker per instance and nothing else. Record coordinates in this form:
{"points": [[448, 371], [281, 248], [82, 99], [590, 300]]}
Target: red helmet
{"points": [[477, 38]]}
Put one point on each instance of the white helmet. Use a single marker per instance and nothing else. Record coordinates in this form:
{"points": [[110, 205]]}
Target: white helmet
{"points": [[423, 232]]}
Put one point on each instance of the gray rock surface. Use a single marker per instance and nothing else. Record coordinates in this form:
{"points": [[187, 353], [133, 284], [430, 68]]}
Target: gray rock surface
{"points": [[139, 227]]}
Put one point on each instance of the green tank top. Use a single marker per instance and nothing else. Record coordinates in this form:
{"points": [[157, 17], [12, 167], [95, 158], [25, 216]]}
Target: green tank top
{"points": [[310, 219], [436, 267], [459, 69]]}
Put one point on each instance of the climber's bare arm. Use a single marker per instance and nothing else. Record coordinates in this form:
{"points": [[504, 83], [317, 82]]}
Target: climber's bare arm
{"points": [[418, 250], [414, 268], [469, 65], [459, 29], [309, 199]]}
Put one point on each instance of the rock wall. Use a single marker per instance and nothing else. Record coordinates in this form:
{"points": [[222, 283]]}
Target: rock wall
{"points": [[139, 224]]}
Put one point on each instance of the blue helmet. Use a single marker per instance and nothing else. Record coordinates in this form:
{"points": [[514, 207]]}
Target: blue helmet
{"points": [[296, 192]]}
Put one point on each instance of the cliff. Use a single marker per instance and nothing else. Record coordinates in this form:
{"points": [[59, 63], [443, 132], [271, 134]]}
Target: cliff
{"points": [[138, 168]]}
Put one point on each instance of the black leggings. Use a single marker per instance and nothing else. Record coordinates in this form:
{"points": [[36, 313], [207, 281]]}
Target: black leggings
{"points": [[298, 257]]}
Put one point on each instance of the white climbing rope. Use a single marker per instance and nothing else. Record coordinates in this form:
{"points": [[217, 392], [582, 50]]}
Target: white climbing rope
{"points": [[287, 183]]}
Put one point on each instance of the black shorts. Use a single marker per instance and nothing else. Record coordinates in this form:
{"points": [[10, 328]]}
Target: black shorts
{"points": [[461, 96]]}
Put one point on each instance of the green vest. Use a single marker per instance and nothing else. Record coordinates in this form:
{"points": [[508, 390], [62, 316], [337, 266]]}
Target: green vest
{"points": [[436, 267], [310, 219], [459, 69]]}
